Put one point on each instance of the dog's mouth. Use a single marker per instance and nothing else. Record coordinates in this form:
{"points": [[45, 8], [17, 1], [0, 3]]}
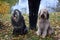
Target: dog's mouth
{"points": [[43, 16], [15, 18]]}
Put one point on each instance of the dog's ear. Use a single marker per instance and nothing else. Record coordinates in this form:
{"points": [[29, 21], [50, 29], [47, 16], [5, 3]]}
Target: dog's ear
{"points": [[47, 15], [39, 14]]}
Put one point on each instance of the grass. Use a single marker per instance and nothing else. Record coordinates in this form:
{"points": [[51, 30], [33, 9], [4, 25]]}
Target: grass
{"points": [[6, 33]]}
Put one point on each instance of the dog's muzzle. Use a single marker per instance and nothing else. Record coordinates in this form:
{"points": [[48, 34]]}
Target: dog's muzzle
{"points": [[42, 16]]}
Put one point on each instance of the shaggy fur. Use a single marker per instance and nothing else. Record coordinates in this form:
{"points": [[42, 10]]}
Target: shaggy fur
{"points": [[18, 23], [43, 24]]}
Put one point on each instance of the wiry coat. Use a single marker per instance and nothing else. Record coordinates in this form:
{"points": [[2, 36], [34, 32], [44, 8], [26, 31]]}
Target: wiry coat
{"points": [[43, 23]]}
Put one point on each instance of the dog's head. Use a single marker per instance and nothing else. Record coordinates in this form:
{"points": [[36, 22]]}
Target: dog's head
{"points": [[44, 14], [16, 15]]}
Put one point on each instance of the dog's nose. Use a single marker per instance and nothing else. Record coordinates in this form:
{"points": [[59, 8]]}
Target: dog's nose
{"points": [[42, 16]]}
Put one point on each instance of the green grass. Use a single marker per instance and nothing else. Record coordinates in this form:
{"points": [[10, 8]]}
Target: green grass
{"points": [[6, 33]]}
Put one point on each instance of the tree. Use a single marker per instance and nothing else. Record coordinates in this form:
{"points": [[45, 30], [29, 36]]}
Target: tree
{"points": [[58, 6], [59, 0], [11, 2], [5, 6]]}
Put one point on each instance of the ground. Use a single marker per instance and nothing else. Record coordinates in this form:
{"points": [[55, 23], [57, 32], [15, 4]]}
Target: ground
{"points": [[7, 28]]}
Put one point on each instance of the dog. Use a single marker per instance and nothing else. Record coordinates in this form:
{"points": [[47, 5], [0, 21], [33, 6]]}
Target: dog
{"points": [[18, 23], [43, 24]]}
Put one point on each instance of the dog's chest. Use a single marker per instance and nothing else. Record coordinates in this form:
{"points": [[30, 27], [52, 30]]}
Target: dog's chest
{"points": [[43, 24]]}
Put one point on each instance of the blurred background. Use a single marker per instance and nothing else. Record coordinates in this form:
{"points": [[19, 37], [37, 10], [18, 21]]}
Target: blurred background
{"points": [[51, 5]]}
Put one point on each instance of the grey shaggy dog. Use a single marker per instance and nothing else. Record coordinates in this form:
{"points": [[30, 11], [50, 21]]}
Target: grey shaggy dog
{"points": [[43, 24]]}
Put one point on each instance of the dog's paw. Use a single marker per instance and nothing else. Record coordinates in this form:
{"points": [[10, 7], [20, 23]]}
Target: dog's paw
{"points": [[43, 36], [37, 33]]}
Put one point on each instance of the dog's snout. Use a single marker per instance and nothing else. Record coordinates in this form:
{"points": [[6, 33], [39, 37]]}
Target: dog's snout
{"points": [[42, 16]]}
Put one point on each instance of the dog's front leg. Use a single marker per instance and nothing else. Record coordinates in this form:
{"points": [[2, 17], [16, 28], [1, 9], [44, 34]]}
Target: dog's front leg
{"points": [[38, 32], [45, 30], [39, 29]]}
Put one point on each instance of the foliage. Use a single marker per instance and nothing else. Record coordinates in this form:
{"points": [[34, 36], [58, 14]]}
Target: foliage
{"points": [[11, 2], [55, 18], [58, 6], [6, 33], [4, 7]]}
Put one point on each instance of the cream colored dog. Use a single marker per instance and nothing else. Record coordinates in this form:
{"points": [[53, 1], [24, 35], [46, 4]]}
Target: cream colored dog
{"points": [[43, 23]]}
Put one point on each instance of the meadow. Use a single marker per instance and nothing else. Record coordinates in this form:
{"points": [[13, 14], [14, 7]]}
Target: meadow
{"points": [[7, 28]]}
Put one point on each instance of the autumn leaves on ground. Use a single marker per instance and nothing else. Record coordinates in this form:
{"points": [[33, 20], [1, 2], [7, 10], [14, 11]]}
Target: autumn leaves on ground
{"points": [[6, 29]]}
